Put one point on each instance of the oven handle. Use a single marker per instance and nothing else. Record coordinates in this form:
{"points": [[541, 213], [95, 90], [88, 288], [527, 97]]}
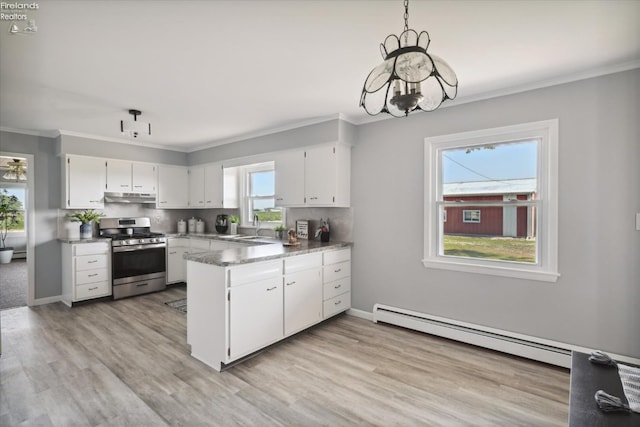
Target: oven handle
{"points": [[138, 247]]}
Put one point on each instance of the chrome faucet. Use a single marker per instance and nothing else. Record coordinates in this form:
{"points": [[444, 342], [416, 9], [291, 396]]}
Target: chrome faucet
{"points": [[256, 223]]}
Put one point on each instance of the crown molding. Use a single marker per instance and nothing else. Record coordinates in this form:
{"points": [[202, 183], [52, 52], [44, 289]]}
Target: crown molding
{"points": [[137, 143]]}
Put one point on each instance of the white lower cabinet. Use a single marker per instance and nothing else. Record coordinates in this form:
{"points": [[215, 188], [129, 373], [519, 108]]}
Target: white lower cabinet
{"points": [[336, 279], [176, 264], [239, 309], [86, 271], [255, 316]]}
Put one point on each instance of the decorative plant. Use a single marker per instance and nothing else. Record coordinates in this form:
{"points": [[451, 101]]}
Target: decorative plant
{"points": [[86, 216], [234, 219], [279, 228], [9, 207]]}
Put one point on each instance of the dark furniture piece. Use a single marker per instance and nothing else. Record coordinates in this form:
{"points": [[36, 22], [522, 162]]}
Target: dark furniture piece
{"points": [[586, 379]]}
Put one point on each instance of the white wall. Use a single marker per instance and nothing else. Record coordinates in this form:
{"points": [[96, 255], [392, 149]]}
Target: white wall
{"points": [[596, 301]]}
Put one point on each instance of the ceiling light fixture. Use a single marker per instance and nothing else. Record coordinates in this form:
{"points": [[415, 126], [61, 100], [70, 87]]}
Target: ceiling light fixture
{"points": [[409, 78], [134, 128], [16, 171]]}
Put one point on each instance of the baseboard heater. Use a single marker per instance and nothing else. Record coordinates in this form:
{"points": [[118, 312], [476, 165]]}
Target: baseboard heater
{"points": [[520, 345]]}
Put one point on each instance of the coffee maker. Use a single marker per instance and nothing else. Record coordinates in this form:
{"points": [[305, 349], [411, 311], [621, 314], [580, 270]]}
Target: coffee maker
{"points": [[222, 223]]}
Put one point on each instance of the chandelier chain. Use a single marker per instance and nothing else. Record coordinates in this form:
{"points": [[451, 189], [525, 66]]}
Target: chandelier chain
{"points": [[406, 20]]}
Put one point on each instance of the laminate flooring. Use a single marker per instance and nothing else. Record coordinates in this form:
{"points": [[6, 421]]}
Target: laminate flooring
{"points": [[127, 363]]}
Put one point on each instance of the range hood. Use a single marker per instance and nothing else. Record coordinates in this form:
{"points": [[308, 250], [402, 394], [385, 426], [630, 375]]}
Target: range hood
{"points": [[129, 197]]}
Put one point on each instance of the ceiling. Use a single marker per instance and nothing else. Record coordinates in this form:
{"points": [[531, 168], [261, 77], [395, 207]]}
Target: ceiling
{"points": [[206, 73]]}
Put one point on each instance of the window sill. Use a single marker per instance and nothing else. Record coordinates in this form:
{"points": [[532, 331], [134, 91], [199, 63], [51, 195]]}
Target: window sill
{"points": [[519, 273]]}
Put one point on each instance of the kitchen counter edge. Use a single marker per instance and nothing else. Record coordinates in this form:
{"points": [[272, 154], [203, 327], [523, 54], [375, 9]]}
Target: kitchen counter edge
{"points": [[75, 240], [238, 256]]}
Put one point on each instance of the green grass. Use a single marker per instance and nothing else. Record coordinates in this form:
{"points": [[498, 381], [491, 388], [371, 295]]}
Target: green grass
{"points": [[499, 248], [269, 216]]}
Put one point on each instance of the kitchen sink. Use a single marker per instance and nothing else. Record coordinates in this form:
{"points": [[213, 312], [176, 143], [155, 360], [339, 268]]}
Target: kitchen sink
{"points": [[249, 237]]}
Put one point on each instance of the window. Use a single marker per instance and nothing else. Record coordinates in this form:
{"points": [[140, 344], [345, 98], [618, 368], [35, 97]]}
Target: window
{"points": [[14, 196], [498, 189], [470, 216], [259, 195]]}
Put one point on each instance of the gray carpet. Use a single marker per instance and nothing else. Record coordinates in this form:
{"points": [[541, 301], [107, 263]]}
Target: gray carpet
{"points": [[13, 284], [180, 305]]}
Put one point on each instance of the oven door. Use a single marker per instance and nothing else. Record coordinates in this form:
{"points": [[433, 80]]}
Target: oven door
{"points": [[130, 262]]}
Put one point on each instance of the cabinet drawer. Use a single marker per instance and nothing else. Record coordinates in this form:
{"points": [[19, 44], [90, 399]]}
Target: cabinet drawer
{"points": [[92, 290], [302, 262], [91, 248], [91, 262], [333, 289], [254, 272], [175, 243], [91, 276], [337, 305], [333, 257], [337, 271]]}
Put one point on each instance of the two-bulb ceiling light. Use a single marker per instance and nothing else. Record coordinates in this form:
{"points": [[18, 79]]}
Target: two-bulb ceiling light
{"points": [[134, 129], [17, 171], [409, 78]]}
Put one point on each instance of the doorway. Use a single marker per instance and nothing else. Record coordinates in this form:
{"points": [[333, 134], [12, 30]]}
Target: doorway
{"points": [[17, 287]]}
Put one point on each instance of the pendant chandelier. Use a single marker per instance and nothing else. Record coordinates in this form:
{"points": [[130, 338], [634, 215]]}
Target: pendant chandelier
{"points": [[16, 171], [409, 78]]}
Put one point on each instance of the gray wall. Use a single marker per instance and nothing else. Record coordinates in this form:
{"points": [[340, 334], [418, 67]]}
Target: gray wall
{"points": [[46, 172], [595, 303]]}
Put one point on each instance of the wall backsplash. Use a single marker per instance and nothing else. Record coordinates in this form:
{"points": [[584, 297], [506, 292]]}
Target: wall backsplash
{"points": [[166, 220]]}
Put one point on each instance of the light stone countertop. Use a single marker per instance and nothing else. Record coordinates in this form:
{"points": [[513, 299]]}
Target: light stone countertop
{"points": [[262, 252], [75, 240]]}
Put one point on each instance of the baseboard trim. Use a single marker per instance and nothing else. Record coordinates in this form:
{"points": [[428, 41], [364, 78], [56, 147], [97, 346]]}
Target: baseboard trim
{"points": [[47, 300], [360, 313]]}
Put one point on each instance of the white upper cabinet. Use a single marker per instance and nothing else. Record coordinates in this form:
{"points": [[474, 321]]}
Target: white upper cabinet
{"points": [[118, 176], [196, 187], [173, 187], [318, 176], [85, 182], [289, 178], [144, 178], [131, 177], [327, 176], [214, 186]]}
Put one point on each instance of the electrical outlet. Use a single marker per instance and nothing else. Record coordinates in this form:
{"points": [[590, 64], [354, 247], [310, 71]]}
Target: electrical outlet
{"points": [[638, 221], [157, 219]]}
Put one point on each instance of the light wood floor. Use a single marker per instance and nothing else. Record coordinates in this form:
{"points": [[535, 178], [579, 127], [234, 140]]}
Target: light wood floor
{"points": [[127, 363]]}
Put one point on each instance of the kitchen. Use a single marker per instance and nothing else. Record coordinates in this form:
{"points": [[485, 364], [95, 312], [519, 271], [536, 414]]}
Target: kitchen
{"points": [[598, 245]]}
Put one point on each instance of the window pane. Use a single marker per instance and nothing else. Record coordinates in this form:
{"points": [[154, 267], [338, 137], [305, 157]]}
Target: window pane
{"points": [[484, 180], [266, 210], [262, 184], [14, 198]]}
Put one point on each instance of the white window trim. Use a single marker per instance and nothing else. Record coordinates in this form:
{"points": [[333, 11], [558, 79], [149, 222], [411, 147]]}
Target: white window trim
{"points": [[471, 220], [546, 269]]}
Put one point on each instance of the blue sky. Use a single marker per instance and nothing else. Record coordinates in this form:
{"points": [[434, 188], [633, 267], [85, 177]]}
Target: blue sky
{"points": [[18, 192], [505, 161]]}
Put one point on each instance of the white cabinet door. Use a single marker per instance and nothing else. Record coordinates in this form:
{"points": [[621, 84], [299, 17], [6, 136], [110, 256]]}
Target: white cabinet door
{"points": [[302, 300], [213, 186], [85, 182], [118, 176], [289, 179], [144, 178], [196, 187], [176, 264], [173, 187], [255, 316], [320, 176]]}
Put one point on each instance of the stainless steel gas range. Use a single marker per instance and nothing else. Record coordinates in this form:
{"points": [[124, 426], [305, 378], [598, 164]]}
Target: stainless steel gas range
{"points": [[138, 256]]}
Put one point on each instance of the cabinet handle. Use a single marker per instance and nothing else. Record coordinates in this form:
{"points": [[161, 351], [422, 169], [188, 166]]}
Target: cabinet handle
{"points": [[291, 283], [137, 186], [92, 275], [92, 261], [123, 185], [172, 253], [279, 198], [162, 202], [338, 302], [337, 286], [93, 289], [208, 201], [337, 271], [270, 289], [313, 198], [142, 284]]}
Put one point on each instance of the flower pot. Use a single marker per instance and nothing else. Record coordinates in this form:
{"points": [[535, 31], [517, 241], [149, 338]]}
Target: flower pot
{"points": [[5, 255], [234, 228], [86, 230]]}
